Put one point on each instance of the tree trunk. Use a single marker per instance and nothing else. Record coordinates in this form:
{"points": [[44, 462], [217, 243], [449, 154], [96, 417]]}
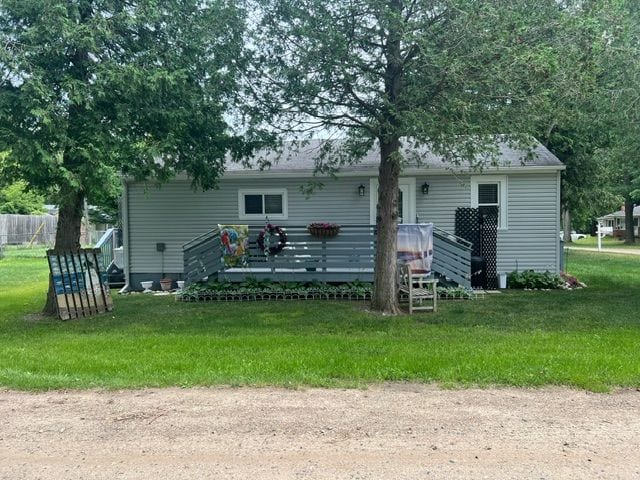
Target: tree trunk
{"points": [[67, 234], [566, 225], [385, 298], [629, 237]]}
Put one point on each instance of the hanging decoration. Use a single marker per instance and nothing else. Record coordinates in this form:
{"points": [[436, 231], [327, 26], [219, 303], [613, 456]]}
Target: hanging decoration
{"points": [[272, 239]]}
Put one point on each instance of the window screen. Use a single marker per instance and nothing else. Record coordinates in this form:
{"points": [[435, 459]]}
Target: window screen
{"points": [[272, 204], [488, 194], [253, 204]]}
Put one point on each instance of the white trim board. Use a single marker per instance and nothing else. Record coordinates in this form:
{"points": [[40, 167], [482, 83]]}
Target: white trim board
{"points": [[501, 181], [263, 191], [408, 187]]}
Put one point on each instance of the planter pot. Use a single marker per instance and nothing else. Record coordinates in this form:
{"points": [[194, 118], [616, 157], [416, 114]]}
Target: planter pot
{"points": [[324, 232], [147, 286], [166, 284]]}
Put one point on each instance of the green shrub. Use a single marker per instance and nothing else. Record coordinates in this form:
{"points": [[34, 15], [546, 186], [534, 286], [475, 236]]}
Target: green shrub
{"points": [[531, 280]]}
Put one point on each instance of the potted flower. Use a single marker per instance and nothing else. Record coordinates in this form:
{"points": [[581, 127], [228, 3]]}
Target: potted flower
{"points": [[323, 229], [166, 284]]}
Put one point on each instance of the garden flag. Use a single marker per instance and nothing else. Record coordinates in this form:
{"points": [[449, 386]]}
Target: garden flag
{"points": [[235, 245], [415, 246]]}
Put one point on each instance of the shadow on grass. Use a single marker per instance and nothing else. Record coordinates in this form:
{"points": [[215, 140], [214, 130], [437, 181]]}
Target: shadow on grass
{"points": [[512, 311], [611, 300]]}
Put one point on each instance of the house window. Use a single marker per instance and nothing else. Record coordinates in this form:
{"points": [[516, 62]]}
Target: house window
{"points": [[258, 204], [491, 191]]}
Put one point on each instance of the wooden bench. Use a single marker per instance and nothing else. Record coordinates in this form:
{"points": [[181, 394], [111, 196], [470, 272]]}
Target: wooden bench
{"points": [[419, 288]]}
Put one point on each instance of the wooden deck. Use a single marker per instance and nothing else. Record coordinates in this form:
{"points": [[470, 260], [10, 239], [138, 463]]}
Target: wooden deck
{"points": [[346, 257]]}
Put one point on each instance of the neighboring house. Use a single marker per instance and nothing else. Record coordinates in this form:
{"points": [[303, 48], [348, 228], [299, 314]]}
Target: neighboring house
{"points": [[616, 222], [158, 220]]}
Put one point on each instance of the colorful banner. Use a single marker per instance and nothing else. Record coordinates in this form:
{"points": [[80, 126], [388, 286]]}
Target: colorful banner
{"points": [[415, 246], [235, 244]]}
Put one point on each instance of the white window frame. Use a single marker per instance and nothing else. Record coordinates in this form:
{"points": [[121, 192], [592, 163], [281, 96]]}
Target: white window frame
{"points": [[242, 215], [503, 206]]}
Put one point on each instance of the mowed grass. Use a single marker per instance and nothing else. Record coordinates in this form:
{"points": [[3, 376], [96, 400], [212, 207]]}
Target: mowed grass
{"points": [[587, 338], [607, 242]]}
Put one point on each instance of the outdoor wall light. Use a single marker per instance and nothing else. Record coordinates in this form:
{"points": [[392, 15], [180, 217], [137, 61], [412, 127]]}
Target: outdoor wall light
{"points": [[425, 188], [361, 190]]}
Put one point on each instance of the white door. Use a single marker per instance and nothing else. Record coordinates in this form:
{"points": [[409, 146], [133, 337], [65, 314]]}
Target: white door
{"points": [[406, 200]]}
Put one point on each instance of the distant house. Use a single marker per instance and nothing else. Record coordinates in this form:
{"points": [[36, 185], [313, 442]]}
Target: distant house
{"points": [[616, 222], [159, 219]]}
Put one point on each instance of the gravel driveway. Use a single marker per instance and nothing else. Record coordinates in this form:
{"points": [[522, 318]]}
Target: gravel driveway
{"points": [[394, 431]]}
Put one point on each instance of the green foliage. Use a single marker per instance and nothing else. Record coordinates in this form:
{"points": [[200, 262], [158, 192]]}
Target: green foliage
{"points": [[531, 280], [620, 84], [460, 293], [17, 198], [93, 88], [251, 286], [459, 68], [451, 76], [593, 128]]}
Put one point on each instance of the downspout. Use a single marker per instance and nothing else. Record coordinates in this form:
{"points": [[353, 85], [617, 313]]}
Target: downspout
{"points": [[559, 253], [125, 237]]}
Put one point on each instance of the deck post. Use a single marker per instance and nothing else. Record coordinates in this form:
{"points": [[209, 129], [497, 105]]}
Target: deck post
{"points": [[324, 255]]}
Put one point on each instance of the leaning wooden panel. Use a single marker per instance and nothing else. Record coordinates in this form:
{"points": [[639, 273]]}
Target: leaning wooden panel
{"points": [[79, 283]]}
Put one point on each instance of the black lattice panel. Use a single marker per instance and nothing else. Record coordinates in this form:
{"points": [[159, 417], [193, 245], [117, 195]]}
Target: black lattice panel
{"points": [[489, 243], [468, 227]]}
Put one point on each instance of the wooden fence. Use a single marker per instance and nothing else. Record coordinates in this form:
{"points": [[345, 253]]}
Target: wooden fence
{"points": [[25, 229]]}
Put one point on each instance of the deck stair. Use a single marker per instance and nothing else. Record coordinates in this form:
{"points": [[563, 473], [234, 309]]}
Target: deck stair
{"points": [[452, 257], [111, 254], [202, 257]]}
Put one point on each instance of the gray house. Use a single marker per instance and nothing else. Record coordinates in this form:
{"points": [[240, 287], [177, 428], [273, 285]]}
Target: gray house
{"points": [[159, 220]]}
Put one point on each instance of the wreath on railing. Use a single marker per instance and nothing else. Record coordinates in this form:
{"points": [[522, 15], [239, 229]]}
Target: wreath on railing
{"points": [[266, 242]]}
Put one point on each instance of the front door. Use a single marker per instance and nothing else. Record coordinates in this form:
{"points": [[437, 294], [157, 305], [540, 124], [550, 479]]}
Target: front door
{"points": [[406, 200]]}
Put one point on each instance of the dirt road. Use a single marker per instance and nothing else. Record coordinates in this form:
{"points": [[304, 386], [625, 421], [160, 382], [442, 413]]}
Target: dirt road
{"points": [[398, 431]]}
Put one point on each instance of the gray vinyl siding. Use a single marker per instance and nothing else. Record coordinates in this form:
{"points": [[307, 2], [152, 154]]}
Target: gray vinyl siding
{"points": [[531, 240], [446, 193], [174, 214]]}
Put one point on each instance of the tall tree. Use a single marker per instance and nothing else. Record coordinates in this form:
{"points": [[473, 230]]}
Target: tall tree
{"points": [[573, 132], [450, 74], [592, 122], [89, 88], [620, 84]]}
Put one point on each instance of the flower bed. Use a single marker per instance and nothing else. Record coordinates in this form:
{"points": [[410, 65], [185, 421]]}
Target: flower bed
{"points": [[252, 290]]}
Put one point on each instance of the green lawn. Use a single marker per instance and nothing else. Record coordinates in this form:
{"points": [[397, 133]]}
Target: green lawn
{"points": [[588, 338], [607, 242]]}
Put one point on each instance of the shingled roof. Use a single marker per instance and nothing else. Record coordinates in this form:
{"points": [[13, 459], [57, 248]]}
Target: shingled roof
{"points": [[620, 213], [302, 159]]}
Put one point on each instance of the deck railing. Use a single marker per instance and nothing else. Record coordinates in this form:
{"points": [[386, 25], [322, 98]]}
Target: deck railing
{"points": [[202, 256], [345, 257], [106, 244], [452, 257], [348, 256]]}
